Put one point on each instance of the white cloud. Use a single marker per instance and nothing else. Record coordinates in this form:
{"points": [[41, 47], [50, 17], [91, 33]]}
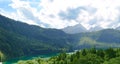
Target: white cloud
{"points": [[89, 13], [10, 15], [105, 14]]}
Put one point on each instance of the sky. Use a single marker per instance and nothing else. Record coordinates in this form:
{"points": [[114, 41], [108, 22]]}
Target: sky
{"points": [[62, 13]]}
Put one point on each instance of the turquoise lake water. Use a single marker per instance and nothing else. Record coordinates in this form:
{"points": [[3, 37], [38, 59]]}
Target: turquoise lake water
{"points": [[15, 60]]}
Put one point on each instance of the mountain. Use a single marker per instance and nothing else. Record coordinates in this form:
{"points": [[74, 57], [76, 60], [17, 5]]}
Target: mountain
{"points": [[96, 28], [74, 29], [101, 39], [20, 39], [118, 28], [80, 29]]}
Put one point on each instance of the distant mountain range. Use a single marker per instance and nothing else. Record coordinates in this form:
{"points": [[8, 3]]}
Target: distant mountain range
{"points": [[74, 29], [118, 28], [21, 39], [96, 28], [80, 29]]}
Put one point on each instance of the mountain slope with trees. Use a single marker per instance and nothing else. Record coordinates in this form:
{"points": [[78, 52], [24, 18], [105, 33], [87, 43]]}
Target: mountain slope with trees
{"points": [[20, 39]]}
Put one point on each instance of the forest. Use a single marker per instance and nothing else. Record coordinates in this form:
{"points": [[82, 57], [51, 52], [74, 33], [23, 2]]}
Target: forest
{"points": [[38, 40], [84, 56]]}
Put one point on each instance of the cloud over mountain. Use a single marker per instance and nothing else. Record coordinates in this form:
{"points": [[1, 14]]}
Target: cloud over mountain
{"points": [[62, 13]]}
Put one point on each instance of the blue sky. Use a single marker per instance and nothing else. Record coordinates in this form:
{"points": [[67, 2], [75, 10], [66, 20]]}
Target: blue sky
{"points": [[62, 13], [4, 5]]}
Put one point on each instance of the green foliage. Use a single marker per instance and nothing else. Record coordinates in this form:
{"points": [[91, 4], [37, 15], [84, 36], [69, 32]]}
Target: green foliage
{"points": [[100, 53], [113, 61], [20, 39], [80, 58], [110, 53], [83, 52], [93, 51], [62, 56], [2, 57], [35, 61]]}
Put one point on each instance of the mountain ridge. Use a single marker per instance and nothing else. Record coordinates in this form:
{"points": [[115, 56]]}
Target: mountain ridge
{"points": [[20, 39], [74, 29]]}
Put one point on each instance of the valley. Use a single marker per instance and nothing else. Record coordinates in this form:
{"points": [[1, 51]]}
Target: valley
{"points": [[18, 39]]}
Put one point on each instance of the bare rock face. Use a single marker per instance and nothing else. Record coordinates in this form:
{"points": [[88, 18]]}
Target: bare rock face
{"points": [[96, 28], [74, 29]]}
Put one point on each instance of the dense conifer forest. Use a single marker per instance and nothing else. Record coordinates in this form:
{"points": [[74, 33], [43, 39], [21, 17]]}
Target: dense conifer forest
{"points": [[84, 56]]}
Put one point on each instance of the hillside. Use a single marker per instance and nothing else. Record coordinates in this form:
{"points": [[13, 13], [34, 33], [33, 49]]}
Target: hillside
{"points": [[101, 39], [20, 39]]}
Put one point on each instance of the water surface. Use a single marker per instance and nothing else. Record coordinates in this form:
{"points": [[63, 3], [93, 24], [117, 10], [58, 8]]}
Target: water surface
{"points": [[15, 60]]}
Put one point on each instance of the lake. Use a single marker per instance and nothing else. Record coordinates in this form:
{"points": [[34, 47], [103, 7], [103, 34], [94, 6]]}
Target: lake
{"points": [[15, 60]]}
